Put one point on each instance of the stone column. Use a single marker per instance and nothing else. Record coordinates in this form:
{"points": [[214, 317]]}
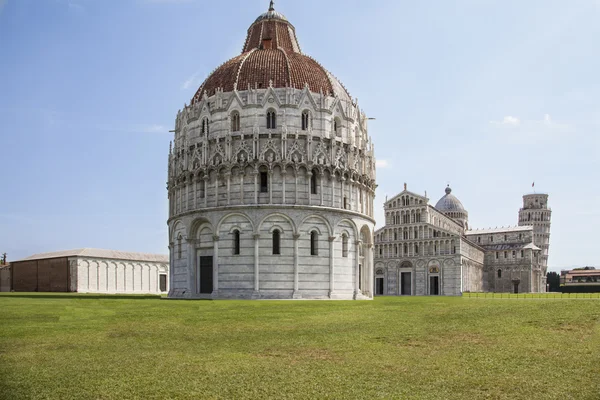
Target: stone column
{"points": [[215, 293], [370, 280], [255, 187], [321, 188], [332, 179], [242, 187], [191, 269], [228, 175], [270, 187], [206, 192], [343, 180], [296, 186], [283, 176], [256, 293], [331, 267], [195, 194], [217, 190], [297, 294], [357, 293], [351, 189], [171, 271], [309, 191]]}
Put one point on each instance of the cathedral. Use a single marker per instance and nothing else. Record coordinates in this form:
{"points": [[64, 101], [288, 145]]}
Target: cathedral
{"points": [[271, 179], [427, 250]]}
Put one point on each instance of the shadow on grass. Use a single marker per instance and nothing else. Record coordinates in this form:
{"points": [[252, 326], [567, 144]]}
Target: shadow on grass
{"points": [[75, 296]]}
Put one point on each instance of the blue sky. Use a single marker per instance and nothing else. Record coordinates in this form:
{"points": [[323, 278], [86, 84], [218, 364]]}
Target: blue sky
{"points": [[487, 95]]}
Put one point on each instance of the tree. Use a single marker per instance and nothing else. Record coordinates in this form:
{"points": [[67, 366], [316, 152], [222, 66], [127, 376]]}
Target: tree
{"points": [[553, 279]]}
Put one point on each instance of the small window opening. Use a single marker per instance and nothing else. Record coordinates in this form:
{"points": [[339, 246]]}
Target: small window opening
{"points": [[305, 120], [314, 244], [264, 182], [271, 120], [313, 183], [499, 273], [236, 243], [345, 246], [235, 122], [276, 242]]}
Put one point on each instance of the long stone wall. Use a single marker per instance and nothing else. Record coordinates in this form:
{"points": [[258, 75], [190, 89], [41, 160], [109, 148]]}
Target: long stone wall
{"points": [[109, 276], [343, 246]]}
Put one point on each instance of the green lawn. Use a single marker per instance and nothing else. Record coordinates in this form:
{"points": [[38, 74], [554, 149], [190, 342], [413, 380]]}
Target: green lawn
{"points": [[88, 347]]}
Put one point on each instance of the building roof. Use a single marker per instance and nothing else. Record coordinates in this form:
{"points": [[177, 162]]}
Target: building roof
{"points": [[449, 203], [99, 253], [271, 58], [508, 229]]}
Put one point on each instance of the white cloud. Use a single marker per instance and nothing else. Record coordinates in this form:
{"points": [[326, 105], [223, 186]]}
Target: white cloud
{"points": [[508, 120], [532, 131], [193, 82], [153, 129], [382, 164], [2, 4]]}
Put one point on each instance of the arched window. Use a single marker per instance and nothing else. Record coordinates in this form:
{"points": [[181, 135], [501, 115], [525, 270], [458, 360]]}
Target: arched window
{"points": [[271, 120], [499, 273], [204, 126], [236, 243], [314, 182], [179, 246], [345, 246], [314, 243], [276, 242], [264, 182], [337, 127], [305, 120], [235, 122], [405, 249]]}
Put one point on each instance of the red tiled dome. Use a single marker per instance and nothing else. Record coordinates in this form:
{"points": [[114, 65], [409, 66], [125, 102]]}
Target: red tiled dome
{"points": [[271, 55]]}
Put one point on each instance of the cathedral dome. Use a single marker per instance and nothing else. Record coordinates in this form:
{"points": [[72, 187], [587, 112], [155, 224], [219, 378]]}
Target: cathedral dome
{"points": [[449, 203], [271, 57]]}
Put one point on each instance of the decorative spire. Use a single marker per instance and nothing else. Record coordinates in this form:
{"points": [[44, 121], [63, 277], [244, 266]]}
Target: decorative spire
{"points": [[272, 6]]}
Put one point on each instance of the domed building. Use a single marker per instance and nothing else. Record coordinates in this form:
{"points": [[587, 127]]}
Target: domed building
{"points": [[426, 250], [453, 208], [271, 179]]}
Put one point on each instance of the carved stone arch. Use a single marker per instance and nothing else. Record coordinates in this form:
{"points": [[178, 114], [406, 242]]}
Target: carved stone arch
{"points": [[174, 228], [243, 153], [352, 224], [406, 264], [270, 152], [234, 102], [287, 218], [296, 153], [366, 235], [271, 94], [218, 155], [322, 219], [197, 225], [307, 95], [244, 216]]}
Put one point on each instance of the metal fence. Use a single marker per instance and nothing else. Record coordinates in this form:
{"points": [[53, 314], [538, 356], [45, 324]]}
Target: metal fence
{"points": [[550, 296]]}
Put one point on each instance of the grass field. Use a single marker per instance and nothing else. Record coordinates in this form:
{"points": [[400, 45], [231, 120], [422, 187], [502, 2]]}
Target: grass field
{"points": [[88, 347]]}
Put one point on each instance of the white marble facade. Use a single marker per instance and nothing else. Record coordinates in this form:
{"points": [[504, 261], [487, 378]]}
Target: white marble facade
{"points": [[427, 250], [271, 187]]}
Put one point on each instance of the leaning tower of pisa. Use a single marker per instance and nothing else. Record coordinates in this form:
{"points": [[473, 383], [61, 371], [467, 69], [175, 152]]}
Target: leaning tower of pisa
{"points": [[536, 213]]}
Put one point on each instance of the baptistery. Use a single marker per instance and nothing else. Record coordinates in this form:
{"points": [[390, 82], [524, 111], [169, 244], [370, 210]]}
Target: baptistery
{"points": [[271, 179]]}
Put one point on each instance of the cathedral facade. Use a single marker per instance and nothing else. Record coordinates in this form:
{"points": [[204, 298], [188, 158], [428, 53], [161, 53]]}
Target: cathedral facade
{"points": [[271, 179], [427, 250]]}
